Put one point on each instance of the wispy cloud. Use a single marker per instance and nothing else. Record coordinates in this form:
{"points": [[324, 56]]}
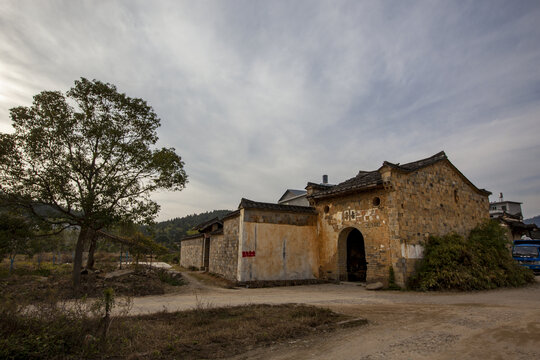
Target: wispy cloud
{"points": [[261, 96]]}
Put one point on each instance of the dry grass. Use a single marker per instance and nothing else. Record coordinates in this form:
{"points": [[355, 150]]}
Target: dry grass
{"points": [[195, 334], [216, 333], [213, 280], [30, 282]]}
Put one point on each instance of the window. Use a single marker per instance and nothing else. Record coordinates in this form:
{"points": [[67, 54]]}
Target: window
{"points": [[376, 201]]}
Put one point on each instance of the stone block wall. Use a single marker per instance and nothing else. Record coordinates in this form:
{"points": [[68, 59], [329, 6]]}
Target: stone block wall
{"points": [[338, 216], [191, 253], [224, 250], [435, 200], [396, 218]]}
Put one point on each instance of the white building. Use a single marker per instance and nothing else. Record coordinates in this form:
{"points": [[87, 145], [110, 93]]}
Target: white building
{"points": [[498, 208]]}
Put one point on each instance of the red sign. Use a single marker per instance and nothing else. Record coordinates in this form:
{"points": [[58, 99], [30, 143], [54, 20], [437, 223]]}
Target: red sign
{"points": [[248, 253]]}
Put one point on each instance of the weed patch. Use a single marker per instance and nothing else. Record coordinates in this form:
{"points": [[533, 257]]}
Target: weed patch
{"points": [[481, 261], [38, 283], [213, 280], [199, 333]]}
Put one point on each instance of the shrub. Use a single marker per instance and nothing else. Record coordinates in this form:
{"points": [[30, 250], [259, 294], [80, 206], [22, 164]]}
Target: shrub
{"points": [[57, 329], [169, 278], [170, 258], [482, 261], [44, 332]]}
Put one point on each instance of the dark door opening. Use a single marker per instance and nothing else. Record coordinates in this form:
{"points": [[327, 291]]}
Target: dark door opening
{"points": [[206, 256], [356, 257]]}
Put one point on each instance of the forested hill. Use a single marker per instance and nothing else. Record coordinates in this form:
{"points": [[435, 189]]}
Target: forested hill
{"points": [[171, 231], [533, 220]]}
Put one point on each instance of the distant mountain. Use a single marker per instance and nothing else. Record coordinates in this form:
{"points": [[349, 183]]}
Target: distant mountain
{"points": [[533, 220], [169, 232]]}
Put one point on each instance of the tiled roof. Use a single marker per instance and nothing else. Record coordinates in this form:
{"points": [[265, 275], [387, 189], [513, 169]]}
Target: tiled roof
{"points": [[205, 224], [250, 204], [371, 179], [194, 236], [231, 214], [415, 165], [364, 179]]}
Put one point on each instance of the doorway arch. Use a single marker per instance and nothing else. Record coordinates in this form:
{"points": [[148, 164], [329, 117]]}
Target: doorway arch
{"points": [[352, 255]]}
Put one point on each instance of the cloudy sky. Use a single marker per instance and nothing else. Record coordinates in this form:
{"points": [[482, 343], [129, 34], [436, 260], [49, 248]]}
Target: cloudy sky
{"points": [[261, 96]]}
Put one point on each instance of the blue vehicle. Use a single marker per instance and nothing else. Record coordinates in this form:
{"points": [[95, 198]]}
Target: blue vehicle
{"points": [[527, 253]]}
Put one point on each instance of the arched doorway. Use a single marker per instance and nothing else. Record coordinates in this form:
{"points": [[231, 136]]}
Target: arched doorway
{"points": [[353, 265]]}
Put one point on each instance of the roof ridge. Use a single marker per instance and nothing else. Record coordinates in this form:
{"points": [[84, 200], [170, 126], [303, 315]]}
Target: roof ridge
{"points": [[370, 179], [439, 156], [206, 223], [418, 164], [250, 204]]}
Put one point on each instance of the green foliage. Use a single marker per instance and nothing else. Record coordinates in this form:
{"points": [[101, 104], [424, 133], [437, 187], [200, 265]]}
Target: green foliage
{"points": [[144, 245], [392, 280], [171, 231], [170, 258], [88, 157], [15, 234], [26, 268], [482, 261]]}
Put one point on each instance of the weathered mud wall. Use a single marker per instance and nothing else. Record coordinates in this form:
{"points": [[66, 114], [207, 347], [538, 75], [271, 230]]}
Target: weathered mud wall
{"points": [[277, 245]]}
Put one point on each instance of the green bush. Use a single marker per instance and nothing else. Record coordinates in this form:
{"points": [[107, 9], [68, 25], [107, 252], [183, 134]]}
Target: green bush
{"points": [[482, 261]]}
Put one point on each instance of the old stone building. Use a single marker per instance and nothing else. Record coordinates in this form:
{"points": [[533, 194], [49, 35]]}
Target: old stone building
{"points": [[352, 231]]}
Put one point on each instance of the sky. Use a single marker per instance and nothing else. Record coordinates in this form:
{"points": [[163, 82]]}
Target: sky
{"points": [[261, 96]]}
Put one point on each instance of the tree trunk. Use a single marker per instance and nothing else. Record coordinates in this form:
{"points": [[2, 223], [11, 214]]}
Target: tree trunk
{"points": [[77, 259], [93, 245]]}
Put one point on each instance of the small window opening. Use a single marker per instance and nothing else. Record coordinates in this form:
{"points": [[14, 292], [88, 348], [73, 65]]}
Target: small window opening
{"points": [[376, 201], [326, 209], [456, 197]]}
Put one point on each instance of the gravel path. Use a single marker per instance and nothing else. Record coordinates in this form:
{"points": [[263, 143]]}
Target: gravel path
{"points": [[498, 324]]}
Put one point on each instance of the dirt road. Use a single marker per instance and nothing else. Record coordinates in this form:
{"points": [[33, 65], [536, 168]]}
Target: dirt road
{"points": [[499, 324]]}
